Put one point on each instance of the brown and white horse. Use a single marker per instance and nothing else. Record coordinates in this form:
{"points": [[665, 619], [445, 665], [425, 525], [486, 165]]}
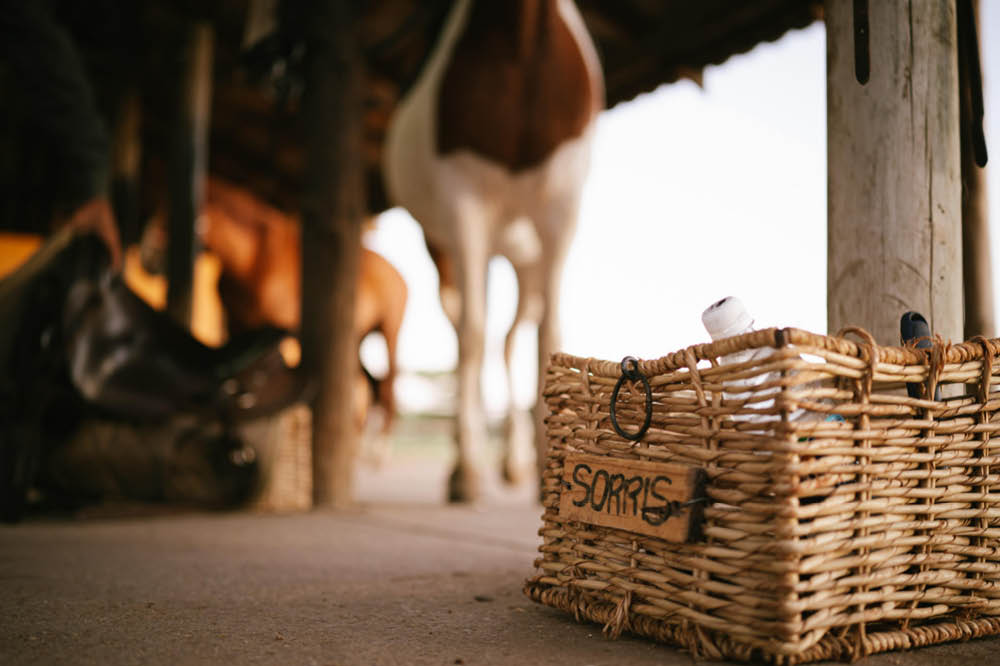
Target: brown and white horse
{"points": [[489, 152]]}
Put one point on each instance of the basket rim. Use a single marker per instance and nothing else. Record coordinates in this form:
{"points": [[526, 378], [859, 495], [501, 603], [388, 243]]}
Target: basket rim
{"points": [[974, 349]]}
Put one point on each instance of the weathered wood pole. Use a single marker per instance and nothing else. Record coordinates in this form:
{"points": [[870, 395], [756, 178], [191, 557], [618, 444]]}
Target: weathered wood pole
{"points": [[186, 169], [978, 270], [976, 262], [126, 160], [894, 190], [260, 20], [332, 210]]}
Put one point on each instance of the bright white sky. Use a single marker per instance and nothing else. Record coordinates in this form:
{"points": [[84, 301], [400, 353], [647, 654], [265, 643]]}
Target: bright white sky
{"points": [[694, 194]]}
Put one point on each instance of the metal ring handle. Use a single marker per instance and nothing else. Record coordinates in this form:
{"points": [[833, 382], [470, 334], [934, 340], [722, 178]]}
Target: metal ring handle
{"points": [[632, 373]]}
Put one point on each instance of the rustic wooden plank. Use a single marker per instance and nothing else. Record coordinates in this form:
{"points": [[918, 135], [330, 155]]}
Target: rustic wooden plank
{"points": [[976, 262], [638, 496], [186, 174], [332, 210], [126, 160], [894, 194]]}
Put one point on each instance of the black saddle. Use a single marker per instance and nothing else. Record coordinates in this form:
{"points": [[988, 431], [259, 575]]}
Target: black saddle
{"points": [[77, 343]]}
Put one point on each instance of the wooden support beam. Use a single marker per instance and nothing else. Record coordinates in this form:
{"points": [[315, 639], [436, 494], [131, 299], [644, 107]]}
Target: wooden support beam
{"points": [[126, 159], [894, 194], [976, 262], [332, 210], [261, 20], [188, 161]]}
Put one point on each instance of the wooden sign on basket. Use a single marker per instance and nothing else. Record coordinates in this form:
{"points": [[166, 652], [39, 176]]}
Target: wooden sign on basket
{"points": [[663, 500]]}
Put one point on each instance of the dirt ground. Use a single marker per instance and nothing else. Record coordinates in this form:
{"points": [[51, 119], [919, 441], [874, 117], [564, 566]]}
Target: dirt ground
{"points": [[402, 579]]}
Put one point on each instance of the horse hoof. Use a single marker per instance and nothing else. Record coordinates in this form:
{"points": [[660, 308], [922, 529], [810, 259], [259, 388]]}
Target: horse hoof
{"points": [[463, 485]]}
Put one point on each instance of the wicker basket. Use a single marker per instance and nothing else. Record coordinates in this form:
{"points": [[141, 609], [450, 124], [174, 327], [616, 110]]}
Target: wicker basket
{"points": [[822, 537], [284, 442]]}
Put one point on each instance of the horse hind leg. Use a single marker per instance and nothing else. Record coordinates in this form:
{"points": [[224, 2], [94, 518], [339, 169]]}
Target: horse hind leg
{"points": [[447, 287], [470, 263], [392, 300], [518, 452], [389, 294], [556, 233]]}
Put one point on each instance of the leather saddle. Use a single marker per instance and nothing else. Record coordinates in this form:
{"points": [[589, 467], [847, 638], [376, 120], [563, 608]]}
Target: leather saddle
{"points": [[79, 344]]}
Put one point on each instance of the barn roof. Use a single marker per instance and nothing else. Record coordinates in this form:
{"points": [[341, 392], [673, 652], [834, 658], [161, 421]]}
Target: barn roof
{"points": [[642, 43], [254, 141], [647, 43]]}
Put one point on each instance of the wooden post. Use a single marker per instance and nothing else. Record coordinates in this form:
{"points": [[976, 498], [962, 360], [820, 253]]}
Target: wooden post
{"points": [[894, 194], [186, 171], [976, 262], [978, 269], [126, 159], [260, 20], [332, 211]]}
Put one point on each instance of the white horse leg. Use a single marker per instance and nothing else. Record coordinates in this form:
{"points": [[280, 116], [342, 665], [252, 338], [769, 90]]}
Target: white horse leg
{"points": [[518, 449], [447, 289], [556, 233], [471, 263]]}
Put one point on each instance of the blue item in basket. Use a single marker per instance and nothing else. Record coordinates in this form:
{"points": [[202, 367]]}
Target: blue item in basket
{"points": [[829, 418], [913, 326]]}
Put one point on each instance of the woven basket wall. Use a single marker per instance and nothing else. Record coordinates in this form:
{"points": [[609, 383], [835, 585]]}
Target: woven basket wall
{"points": [[821, 539], [284, 443]]}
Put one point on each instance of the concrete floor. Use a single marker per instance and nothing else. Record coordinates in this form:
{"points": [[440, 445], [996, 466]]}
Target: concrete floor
{"points": [[401, 580]]}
